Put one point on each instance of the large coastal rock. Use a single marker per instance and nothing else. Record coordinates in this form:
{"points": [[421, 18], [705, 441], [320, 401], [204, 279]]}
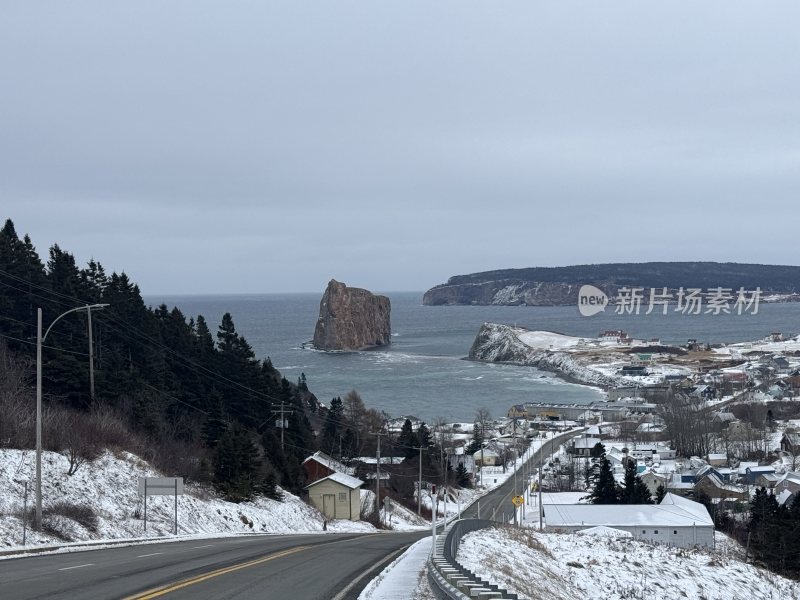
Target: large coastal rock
{"points": [[352, 319]]}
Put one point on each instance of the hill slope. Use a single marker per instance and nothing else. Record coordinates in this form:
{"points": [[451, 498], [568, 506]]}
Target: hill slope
{"points": [[555, 566]]}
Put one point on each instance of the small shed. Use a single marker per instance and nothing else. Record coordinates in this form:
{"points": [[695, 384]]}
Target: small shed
{"points": [[337, 496]]}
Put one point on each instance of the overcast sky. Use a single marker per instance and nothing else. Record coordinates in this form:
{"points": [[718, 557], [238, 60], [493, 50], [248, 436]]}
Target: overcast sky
{"points": [[267, 147]]}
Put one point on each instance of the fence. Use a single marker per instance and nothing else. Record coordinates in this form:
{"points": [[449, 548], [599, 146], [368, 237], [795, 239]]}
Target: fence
{"points": [[448, 578]]}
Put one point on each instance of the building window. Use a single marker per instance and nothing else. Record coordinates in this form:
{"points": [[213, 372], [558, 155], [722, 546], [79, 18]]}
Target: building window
{"points": [[342, 496], [655, 532], [675, 531], [644, 531]]}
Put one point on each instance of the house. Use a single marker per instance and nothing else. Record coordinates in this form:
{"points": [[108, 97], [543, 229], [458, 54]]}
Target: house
{"points": [[676, 521], [776, 336], [713, 486], [780, 364], [320, 465], [487, 457], [582, 446], [656, 452], [518, 411], [653, 480], [634, 370], [337, 496], [790, 442], [612, 335], [790, 481], [723, 418], [717, 460], [751, 474]]}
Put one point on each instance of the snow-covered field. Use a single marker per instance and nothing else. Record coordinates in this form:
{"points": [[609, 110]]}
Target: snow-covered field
{"points": [[109, 487], [550, 566]]}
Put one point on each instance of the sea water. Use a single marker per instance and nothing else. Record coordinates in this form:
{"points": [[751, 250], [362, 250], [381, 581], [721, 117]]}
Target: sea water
{"points": [[423, 373]]}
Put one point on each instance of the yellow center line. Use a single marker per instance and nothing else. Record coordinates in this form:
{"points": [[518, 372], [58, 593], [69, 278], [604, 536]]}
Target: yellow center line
{"points": [[166, 589]]}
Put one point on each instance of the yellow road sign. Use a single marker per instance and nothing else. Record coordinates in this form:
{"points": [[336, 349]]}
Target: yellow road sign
{"points": [[517, 500]]}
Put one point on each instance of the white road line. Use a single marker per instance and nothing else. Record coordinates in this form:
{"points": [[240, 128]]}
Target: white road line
{"points": [[146, 555], [206, 546], [77, 567]]}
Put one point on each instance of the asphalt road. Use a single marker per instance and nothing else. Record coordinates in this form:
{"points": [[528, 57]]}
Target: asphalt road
{"points": [[496, 505], [307, 567]]}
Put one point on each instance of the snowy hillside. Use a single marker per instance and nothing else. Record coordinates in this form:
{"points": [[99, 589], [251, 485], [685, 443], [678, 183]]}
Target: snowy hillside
{"points": [[610, 566], [109, 489]]}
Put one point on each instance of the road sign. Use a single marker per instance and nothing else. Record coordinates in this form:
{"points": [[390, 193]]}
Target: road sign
{"points": [[161, 486], [517, 500]]}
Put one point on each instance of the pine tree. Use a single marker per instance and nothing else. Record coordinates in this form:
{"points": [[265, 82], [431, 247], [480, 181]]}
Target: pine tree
{"points": [[604, 489], [634, 490], [331, 428], [661, 492], [424, 436], [462, 477], [476, 443], [407, 440]]}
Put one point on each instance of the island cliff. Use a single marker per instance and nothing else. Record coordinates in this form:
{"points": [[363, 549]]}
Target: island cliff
{"points": [[352, 319], [558, 286]]}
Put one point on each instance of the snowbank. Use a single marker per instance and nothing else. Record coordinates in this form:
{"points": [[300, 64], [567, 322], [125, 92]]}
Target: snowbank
{"points": [[109, 487], [554, 566]]}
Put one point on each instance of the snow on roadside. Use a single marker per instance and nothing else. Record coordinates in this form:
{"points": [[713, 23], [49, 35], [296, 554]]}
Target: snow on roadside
{"points": [[393, 582], [109, 487], [552, 566]]}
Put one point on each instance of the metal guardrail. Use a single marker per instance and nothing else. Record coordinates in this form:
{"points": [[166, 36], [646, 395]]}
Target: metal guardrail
{"points": [[449, 580]]}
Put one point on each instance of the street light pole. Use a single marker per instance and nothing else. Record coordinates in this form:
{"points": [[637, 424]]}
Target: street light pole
{"points": [[39, 341]]}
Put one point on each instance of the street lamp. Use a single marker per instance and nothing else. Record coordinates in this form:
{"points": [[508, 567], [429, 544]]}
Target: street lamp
{"points": [[39, 340]]}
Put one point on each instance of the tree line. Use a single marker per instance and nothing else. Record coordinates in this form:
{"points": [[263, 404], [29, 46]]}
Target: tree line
{"points": [[198, 403]]}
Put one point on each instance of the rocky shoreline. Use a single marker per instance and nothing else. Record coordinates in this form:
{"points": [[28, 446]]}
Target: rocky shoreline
{"points": [[500, 343]]}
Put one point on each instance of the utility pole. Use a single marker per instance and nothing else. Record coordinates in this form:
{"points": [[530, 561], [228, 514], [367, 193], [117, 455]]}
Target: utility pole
{"points": [[282, 423], [91, 354], [378, 478], [419, 484], [541, 466], [39, 341]]}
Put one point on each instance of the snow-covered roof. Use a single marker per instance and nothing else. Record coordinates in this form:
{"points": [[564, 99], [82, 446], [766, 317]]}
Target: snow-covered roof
{"points": [[587, 442], [330, 462], [690, 506], [345, 480], [666, 514]]}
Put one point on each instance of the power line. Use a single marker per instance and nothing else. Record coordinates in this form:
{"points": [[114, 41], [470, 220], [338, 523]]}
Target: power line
{"points": [[8, 337]]}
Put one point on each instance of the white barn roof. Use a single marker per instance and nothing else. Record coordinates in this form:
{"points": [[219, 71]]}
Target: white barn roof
{"points": [[672, 512]]}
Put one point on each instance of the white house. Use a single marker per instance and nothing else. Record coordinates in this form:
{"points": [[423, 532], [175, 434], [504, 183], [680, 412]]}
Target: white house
{"points": [[676, 521], [337, 496]]}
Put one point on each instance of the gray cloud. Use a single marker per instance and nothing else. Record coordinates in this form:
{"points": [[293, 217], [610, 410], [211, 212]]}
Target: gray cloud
{"points": [[264, 146]]}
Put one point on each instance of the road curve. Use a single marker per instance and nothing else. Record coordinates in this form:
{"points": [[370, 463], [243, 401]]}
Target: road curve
{"points": [[315, 566], [496, 505]]}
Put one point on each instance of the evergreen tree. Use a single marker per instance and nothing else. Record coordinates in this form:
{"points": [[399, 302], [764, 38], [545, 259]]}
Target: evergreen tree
{"points": [[661, 492], [633, 491], [604, 487], [597, 450], [462, 477], [236, 466], [407, 440], [331, 428], [424, 436], [476, 443]]}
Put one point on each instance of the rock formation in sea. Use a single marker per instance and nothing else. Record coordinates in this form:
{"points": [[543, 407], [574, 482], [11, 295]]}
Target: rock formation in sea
{"points": [[352, 319]]}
